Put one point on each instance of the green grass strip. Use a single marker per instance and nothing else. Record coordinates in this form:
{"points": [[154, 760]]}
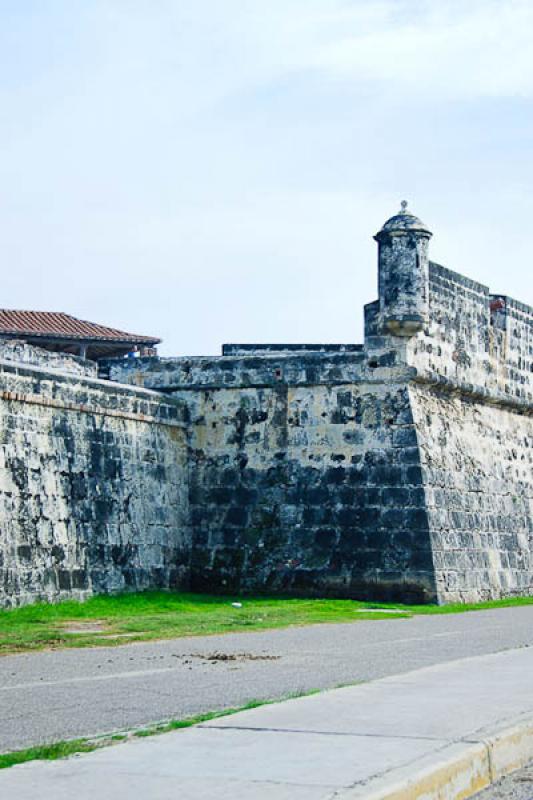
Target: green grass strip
{"points": [[146, 616], [46, 752]]}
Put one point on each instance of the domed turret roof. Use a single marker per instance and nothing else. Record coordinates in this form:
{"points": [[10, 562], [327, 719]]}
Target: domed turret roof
{"points": [[404, 221]]}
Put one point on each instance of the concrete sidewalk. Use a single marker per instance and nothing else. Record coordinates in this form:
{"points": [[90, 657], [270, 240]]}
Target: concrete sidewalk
{"points": [[443, 731]]}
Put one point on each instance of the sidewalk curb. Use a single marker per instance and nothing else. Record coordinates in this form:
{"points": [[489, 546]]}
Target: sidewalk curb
{"points": [[459, 771]]}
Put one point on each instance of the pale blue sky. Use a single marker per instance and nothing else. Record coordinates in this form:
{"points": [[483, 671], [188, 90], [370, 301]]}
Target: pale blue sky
{"points": [[214, 170]]}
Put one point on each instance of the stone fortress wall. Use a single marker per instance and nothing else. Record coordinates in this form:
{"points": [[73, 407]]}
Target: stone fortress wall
{"points": [[304, 471], [472, 407], [93, 486], [397, 469]]}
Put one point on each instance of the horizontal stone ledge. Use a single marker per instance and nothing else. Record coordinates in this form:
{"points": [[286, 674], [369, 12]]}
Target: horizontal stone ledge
{"points": [[472, 392], [376, 377], [46, 402]]}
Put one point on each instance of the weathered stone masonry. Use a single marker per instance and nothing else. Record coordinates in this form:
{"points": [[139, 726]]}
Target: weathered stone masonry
{"points": [[401, 468], [93, 487], [305, 477]]}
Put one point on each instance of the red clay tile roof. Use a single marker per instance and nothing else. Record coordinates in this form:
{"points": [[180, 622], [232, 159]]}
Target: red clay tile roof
{"points": [[63, 326]]}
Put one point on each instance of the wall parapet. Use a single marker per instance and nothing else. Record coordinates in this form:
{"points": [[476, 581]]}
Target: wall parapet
{"points": [[21, 352], [270, 349], [205, 373], [30, 384]]}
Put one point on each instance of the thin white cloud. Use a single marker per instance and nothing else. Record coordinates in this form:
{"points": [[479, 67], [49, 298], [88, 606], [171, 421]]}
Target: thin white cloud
{"points": [[469, 50], [215, 169]]}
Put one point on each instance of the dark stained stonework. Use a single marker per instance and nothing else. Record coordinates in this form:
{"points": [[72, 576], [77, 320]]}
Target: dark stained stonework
{"points": [[94, 487], [397, 469], [348, 519]]}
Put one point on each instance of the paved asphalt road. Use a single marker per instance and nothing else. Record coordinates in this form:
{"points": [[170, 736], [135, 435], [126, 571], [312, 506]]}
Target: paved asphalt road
{"points": [[57, 695]]}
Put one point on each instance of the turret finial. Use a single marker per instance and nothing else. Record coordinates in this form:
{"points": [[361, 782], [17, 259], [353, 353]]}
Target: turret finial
{"points": [[403, 209]]}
